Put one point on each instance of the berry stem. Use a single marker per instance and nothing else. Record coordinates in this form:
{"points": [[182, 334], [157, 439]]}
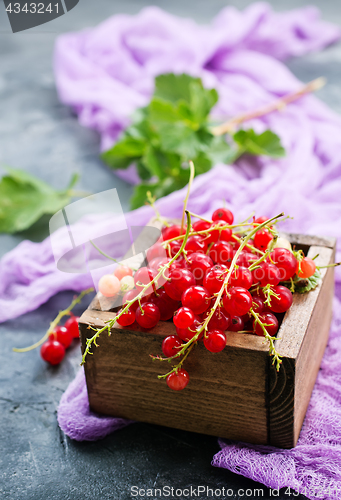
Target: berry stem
{"points": [[108, 256], [191, 177], [272, 351], [276, 105], [55, 322], [109, 324], [219, 295]]}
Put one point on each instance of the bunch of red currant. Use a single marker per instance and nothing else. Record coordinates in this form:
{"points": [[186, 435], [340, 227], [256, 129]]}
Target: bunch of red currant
{"points": [[53, 350], [211, 278]]}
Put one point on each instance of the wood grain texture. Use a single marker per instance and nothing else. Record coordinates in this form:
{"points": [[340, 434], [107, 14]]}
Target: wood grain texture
{"points": [[236, 394], [225, 397], [301, 341]]}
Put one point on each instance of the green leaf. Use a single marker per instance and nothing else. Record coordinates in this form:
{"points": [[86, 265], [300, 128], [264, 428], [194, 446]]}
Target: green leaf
{"points": [[201, 101], [268, 143], [178, 138], [174, 88], [124, 152], [311, 283], [24, 199], [158, 189], [153, 163], [161, 111], [143, 171], [220, 151]]}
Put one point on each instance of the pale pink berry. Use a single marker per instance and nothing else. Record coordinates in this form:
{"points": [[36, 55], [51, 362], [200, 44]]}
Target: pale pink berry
{"points": [[109, 285]]}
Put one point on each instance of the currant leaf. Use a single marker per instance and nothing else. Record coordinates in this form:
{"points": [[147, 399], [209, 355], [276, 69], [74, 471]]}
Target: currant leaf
{"points": [[24, 199], [268, 143], [311, 283]]}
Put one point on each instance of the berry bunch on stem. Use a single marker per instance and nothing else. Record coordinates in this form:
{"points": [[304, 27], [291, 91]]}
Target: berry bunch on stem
{"points": [[58, 338], [217, 277]]}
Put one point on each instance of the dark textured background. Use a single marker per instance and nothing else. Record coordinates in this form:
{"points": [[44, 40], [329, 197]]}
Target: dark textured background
{"points": [[37, 133]]}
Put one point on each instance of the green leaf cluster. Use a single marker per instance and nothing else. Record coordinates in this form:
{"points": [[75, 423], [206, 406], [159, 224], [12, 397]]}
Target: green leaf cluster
{"points": [[173, 129], [24, 199]]}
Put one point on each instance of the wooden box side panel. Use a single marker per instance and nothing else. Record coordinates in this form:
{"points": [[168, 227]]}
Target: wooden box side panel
{"points": [[315, 341], [226, 395], [301, 341]]}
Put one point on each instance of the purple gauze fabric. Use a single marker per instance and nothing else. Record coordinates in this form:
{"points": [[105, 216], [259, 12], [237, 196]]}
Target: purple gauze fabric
{"points": [[104, 74]]}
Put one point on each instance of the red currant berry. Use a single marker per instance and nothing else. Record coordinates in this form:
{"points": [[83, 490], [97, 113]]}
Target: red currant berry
{"points": [[270, 324], [261, 219], [72, 325], [184, 317], [130, 295], [155, 251], [215, 340], [221, 252], [241, 276], [63, 335], [258, 305], [122, 271], [201, 225], [266, 274], [179, 263], [127, 318], [168, 233], [199, 264], [308, 268], [284, 300], [214, 278], [178, 380], [220, 320], [237, 324], [262, 239], [238, 301], [158, 262], [223, 214], [187, 334], [245, 259], [173, 248], [197, 298], [179, 281], [144, 276], [149, 316], [166, 305], [195, 244], [219, 234], [53, 352], [285, 261], [171, 345]]}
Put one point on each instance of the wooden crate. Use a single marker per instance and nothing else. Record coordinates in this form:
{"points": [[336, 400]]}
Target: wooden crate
{"points": [[235, 394]]}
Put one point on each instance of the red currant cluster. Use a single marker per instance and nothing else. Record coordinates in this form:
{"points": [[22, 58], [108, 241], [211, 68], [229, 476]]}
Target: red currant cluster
{"points": [[53, 350], [216, 277]]}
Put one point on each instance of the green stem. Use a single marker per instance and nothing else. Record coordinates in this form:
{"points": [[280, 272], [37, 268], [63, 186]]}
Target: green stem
{"points": [[191, 177], [109, 324], [55, 322]]}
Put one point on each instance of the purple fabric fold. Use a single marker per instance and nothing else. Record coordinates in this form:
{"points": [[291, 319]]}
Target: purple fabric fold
{"points": [[104, 74], [76, 419]]}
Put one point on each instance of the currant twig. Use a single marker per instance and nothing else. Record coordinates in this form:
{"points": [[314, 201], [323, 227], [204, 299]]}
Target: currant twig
{"points": [[272, 351], [55, 322], [109, 324], [191, 177], [276, 105], [219, 295]]}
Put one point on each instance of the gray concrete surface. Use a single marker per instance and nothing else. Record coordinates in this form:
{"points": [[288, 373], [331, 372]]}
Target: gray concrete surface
{"points": [[37, 133]]}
